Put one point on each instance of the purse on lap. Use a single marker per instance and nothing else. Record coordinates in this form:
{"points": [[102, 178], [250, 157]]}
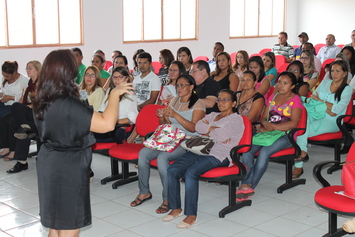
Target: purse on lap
{"points": [[200, 145]]}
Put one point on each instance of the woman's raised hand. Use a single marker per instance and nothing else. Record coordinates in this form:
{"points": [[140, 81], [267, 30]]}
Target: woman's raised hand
{"points": [[124, 88]]}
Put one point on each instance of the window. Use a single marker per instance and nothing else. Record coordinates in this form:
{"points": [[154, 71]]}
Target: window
{"points": [[256, 18], [159, 20], [40, 22]]}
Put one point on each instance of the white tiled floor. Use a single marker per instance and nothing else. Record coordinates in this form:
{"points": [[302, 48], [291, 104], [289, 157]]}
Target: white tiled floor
{"points": [[292, 213]]}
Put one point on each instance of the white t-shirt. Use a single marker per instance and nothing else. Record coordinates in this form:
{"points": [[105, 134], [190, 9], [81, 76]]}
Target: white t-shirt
{"points": [[144, 86], [127, 109], [15, 89]]}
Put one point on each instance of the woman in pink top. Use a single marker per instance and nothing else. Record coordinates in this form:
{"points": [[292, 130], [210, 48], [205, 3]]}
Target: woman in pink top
{"points": [[283, 113], [256, 65], [226, 128]]}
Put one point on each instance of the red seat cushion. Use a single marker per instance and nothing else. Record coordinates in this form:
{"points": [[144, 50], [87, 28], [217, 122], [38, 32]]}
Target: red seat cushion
{"points": [[221, 171], [327, 198], [285, 152], [102, 145], [327, 136], [155, 163], [125, 151]]}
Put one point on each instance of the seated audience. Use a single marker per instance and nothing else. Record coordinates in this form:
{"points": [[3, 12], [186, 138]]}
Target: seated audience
{"points": [[114, 55], [352, 36], [183, 112], [92, 86], [165, 59], [106, 64], [330, 50], [350, 54], [135, 62], [98, 62], [78, 54], [184, 55], [256, 65], [336, 94], [226, 128], [241, 62], [218, 47], [303, 38], [269, 64], [206, 88], [250, 103], [340, 56], [282, 113], [317, 63], [283, 48], [168, 91], [223, 73], [311, 75], [118, 61]]}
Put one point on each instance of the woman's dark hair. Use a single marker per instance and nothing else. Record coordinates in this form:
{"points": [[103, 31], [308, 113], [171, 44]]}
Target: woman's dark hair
{"points": [[259, 61], [352, 59], [100, 57], [300, 66], [124, 59], [344, 67], [168, 56], [135, 67], [9, 67], [182, 70], [187, 51], [272, 56], [293, 78], [193, 98], [232, 95], [124, 72], [251, 73], [218, 70], [57, 78]]}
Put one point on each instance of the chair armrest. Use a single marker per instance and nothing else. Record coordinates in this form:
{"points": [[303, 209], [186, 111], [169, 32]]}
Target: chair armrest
{"points": [[317, 172], [122, 125], [342, 126], [148, 135], [236, 158], [291, 137]]}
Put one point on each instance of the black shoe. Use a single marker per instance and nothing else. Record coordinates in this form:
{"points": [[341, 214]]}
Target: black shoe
{"points": [[18, 168], [24, 133]]}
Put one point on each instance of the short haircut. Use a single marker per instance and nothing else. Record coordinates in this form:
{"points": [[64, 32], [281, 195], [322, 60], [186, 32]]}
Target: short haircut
{"points": [[202, 64], [77, 50], [99, 51], [220, 44], [117, 51], [310, 44], [283, 33], [145, 55]]}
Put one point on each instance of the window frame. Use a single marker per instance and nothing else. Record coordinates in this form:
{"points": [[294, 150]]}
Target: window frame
{"points": [[142, 40], [34, 44], [258, 36]]}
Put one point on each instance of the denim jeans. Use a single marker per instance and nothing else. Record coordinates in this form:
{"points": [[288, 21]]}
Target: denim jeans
{"points": [[257, 167], [190, 166], [163, 159]]}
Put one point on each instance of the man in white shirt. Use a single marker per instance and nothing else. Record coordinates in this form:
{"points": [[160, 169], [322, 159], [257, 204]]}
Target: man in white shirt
{"points": [[147, 84], [218, 47], [330, 50]]}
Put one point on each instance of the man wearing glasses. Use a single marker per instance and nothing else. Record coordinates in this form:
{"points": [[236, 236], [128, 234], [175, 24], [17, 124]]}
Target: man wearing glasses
{"points": [[330, 50]]}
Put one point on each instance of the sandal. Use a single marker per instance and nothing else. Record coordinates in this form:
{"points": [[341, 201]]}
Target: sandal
{"points": [[163, 208], [349, 226], [8, 158], [244, 193], [242, 199], [138, 201], [298, 174]]}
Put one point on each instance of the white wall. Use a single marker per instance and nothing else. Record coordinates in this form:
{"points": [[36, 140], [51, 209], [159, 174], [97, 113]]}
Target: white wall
{"points": [[103, 24]]}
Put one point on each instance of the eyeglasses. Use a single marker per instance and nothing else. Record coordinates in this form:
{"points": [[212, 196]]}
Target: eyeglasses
{"points": [[90, 75], [295, 71], [194, 71], [181, 85], [29, 68], [173, 70], [160, 58], [118, 77], [304, 58], [224, 100]]}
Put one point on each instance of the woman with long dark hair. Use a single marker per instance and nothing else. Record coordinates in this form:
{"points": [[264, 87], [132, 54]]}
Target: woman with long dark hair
{"points": [[63, 162]]}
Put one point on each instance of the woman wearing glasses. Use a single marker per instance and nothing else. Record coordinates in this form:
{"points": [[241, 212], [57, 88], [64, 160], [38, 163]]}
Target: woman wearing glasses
{"points": [[226, 128], [183, 112], [91, 85], [310, 74]]}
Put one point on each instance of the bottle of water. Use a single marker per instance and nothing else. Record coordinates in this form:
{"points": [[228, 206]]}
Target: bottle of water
{"points": [[84, 96]]}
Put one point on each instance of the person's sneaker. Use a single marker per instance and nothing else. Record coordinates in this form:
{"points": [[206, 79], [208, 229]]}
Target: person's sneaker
{"points": [[18, 168]]}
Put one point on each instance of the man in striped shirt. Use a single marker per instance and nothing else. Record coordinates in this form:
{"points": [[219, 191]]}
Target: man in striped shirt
{"points": [[283, 48]]}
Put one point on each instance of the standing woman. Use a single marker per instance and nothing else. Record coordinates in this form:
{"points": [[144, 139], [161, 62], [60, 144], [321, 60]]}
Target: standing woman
{"points": [[92, 85], [310, 75], [165, 59], [12, 85], [175, 70], [241, 62], [336, 94], [269, 64], [224, 73], [256, 65], [184, 55], [64, 124]]}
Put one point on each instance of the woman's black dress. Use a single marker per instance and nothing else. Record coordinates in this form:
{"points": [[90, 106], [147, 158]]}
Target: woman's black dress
{"points": [[63, 164]]}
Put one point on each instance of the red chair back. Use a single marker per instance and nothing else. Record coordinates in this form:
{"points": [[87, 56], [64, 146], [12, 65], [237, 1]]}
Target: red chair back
{"points": [[282, 68], [156, 65], [254, 54], [247, 135], [204, 58], [341, 46], [322, 72], [261, 52], [147, 120], [233, 57], [279, 60], [302, 123], [317, 47]]}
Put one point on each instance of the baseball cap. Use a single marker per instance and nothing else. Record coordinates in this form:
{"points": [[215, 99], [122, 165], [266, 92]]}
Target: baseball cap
{"points": [[303, 34]]}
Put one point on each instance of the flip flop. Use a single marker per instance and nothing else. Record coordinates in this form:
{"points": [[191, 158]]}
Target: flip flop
{"points": [[242, 199], [2, 156], [244, 193], [140, 201], [8, 158], [163, 208], [349, 226]]}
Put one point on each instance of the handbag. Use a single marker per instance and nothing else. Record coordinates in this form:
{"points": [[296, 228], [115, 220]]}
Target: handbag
{"points": [[267, 138], [200, 145], [165, 138], [348, 178], [316, 109]]}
